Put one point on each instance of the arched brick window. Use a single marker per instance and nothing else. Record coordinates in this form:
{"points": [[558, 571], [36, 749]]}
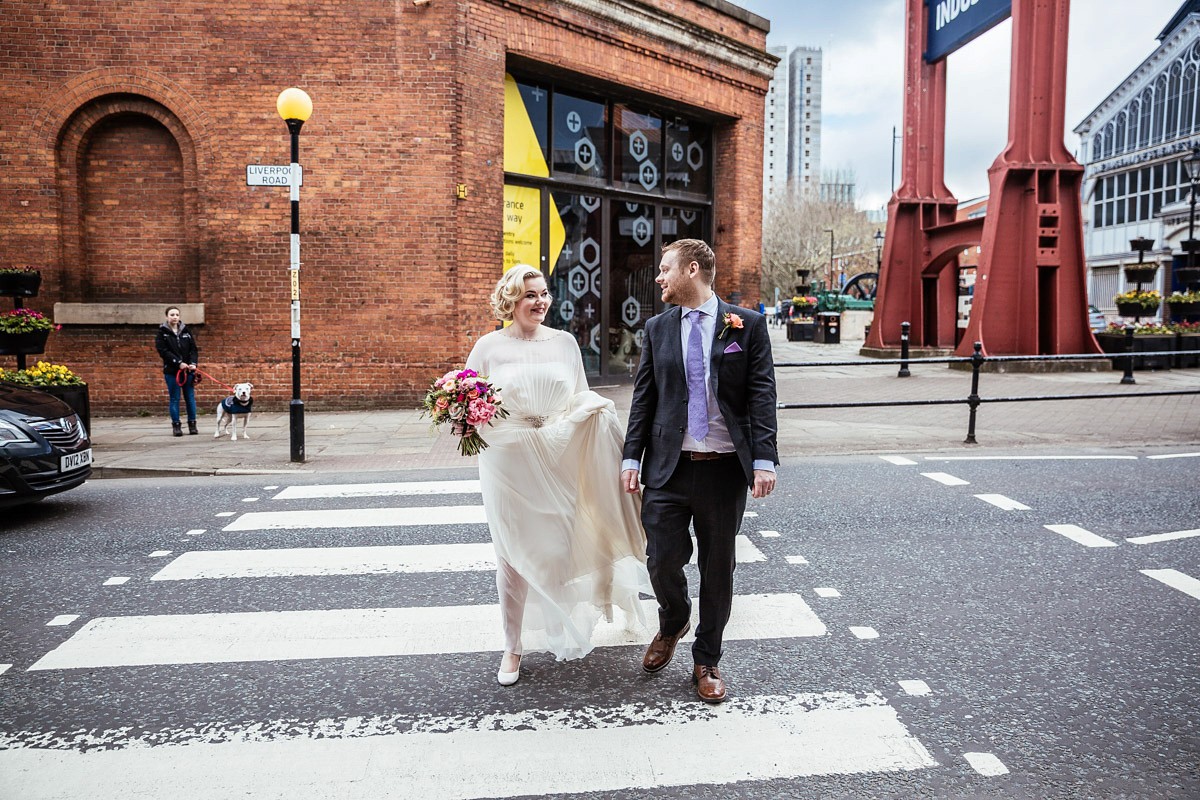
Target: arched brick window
{"points": [[127, 177]]}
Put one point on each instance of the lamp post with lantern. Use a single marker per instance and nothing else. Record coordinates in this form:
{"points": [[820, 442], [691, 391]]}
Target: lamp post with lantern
{"points": [[1191, 165], [295, 107]]}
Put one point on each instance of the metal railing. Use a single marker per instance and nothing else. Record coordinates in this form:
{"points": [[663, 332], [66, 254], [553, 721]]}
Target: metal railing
{"points": [[977, 361]]}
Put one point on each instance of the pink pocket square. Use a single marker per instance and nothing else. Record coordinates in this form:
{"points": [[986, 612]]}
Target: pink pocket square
{"points": [[734, 347]]}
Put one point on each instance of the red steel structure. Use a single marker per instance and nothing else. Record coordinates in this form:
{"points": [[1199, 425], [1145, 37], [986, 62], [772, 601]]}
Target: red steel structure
{"points": [[1030, 288]]}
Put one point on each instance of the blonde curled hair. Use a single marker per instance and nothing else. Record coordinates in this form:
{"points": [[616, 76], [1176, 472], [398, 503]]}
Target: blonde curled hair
{"points": [[510, 288]]}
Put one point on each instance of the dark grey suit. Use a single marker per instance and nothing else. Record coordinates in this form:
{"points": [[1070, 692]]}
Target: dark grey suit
{"points": [[710, 495]]}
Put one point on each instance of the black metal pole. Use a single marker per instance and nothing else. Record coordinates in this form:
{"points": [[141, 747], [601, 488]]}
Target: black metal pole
{"points": [[296, 407], [1128, 376], [904, 329], [977, 360]]}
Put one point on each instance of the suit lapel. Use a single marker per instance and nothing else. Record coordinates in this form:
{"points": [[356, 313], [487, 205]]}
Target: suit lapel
{"points": [[674, 343], [718, 345]]}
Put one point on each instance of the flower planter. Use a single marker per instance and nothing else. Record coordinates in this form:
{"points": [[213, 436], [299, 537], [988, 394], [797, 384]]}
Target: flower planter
{"points": [[1135, 310], [1183, 309], [1114, 343], [1190, 342], [12, 344], [1187, 275], [74, 396], [20, 284], [1140, 274]]}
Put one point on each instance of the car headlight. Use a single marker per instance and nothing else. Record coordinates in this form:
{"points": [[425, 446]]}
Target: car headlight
{"points": [[11, 434]]}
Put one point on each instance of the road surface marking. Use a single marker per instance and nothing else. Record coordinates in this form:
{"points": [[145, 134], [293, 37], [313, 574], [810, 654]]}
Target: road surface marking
{"points": [[825, 591], [1031, 458], [986, 764], [1176, 455], [358, 518], [1081, 535], [1176, 580], [63, 619], [796, 559], [116, 581], [915, 688], [367, 632], [749, 513], [948, 480], [598, 749], [249, 499], [270, 488], [196, 531], [1164, 537], [863, 632], [768, 534], [225, 513], [406, 488], [5, 668], [160, 553], [417, 558], [999, 501], [899, 461]]}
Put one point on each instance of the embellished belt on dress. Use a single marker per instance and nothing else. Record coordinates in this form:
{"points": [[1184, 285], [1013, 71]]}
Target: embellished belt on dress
{"points": [[535, 421], [709, 456]]}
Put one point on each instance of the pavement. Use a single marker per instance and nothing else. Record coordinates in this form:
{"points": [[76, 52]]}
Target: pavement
{"points": [[395, 439]]}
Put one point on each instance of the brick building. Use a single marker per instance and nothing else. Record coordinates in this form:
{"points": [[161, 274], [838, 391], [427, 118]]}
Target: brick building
{"points": [[612, 126]]}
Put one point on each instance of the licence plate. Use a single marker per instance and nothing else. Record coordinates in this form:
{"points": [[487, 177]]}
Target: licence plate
{"points": [[75, 460]]}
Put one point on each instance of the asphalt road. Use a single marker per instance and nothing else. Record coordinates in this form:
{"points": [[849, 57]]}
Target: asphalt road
{"points": [[901, 637]]}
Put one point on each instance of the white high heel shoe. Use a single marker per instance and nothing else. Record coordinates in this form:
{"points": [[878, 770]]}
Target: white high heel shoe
{"points": [[509, 678]]}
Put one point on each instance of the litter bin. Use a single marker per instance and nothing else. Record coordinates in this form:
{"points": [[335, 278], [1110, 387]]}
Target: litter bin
{"points": [[829, 328]]}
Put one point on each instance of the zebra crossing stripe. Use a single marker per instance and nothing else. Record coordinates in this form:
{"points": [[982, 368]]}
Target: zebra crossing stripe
{"points": [[1176, 580], [289, 562], [404, 488], [595, 749], [368, 632], [358, 518]]}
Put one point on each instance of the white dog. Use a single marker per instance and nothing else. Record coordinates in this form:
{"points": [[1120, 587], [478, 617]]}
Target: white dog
{"points": [[229, 409]]}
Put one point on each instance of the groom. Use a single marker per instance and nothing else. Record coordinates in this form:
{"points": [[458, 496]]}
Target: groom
{"points": [[701, 429]]}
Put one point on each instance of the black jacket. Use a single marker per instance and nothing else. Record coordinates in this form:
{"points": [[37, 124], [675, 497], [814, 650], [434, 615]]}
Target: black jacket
{"points": [[176, 348]]}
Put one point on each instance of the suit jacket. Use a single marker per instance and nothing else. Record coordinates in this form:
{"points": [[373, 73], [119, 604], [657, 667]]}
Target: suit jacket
{"points": [[743, 382]]}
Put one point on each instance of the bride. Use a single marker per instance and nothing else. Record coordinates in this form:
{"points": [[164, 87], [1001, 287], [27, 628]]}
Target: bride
{"points": [[569, 543]]}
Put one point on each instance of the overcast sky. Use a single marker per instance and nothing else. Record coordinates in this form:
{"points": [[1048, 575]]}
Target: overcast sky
{"points": [[863, 51]]}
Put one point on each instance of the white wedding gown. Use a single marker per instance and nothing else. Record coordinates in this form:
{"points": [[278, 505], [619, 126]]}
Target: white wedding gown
{"points": [[569, 540]]}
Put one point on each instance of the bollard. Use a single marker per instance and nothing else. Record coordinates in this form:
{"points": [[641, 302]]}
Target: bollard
{"points": [[977, 360], [904, 373], [1128, 376]]}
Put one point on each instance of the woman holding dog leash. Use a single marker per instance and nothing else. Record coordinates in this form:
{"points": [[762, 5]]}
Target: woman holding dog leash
{"points": [[177, 347], [569, 543]]}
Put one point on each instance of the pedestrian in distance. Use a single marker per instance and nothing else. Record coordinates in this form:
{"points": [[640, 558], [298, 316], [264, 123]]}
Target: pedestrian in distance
{"points": [[177, 347], [569, 543], [714, 360]]}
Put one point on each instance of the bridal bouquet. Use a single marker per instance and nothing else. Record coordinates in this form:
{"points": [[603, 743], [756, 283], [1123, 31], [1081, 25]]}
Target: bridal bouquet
{"points": [[466, 400]]}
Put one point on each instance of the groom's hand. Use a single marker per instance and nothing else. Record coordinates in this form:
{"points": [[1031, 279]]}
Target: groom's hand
{"points": [[629, 480], [764, 483]]}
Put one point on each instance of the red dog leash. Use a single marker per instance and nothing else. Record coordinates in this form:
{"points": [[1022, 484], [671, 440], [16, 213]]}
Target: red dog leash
{"points": [[182, 376]]}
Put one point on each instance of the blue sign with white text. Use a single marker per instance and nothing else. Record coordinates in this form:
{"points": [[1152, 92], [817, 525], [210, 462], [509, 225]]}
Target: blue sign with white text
{"points": [[953, 23]]}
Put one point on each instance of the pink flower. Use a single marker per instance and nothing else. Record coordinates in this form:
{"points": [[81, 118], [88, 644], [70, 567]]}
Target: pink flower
{"points": [[442, 403], [480, 412], [473, 394]]}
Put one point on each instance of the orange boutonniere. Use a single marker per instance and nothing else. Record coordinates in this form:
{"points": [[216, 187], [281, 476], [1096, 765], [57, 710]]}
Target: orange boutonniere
{"points": [[731, 321]]}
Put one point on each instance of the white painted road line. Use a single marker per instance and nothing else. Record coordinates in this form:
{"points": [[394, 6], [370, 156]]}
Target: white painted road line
{"points": [[1031, 458], [225, 513], [249, 499], [915, 688], [5, 668], [160, 553], [1164, 537], [289, 562], [367, 632], [358, 518], [1000, 501], [460, 758], [1176, 580], [1080, 535], [948, 480], [825, 591], [899, 461], [986, 764], [116, 581], [403, 488], [196, 532], [864, 632], [796, 559], [63, 619], [1176, 455], [768, 534]]}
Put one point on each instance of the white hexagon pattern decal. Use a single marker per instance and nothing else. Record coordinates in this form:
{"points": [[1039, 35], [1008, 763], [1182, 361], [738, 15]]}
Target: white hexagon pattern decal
{"points": [[585, 154], [577, 282], [631, 311], [643, 229]]}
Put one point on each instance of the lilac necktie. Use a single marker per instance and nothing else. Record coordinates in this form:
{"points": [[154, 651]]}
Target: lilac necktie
{"points": [[697, 396]]}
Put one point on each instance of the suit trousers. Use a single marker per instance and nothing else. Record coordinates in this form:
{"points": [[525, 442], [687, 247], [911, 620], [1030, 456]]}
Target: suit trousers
{"points": [[711, 496]]}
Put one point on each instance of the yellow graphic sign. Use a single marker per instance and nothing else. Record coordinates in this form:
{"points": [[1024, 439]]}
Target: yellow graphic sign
{"points": [[522, 151]]}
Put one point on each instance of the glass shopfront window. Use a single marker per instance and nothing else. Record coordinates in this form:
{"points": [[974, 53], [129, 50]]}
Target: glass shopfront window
{"points": [[594, 187]]}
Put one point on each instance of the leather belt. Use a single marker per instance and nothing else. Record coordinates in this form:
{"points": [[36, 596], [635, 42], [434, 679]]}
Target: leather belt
{"points": [[709, 456]]}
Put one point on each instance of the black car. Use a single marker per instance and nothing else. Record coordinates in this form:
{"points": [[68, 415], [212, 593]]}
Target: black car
{"points": [[44, 447]]}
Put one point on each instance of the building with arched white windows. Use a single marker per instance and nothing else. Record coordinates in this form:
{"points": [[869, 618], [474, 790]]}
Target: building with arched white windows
{"points": [[1133, 146]]}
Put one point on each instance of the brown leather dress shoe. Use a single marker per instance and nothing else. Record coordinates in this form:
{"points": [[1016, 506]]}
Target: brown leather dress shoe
{"points": [[660, 651], [709, 686]]}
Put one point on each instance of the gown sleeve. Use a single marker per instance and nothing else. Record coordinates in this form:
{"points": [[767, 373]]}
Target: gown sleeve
{"points": [[581, 384]]}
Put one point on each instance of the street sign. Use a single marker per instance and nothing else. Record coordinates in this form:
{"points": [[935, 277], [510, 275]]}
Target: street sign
{"points": [[953, 23], [271, 175]]}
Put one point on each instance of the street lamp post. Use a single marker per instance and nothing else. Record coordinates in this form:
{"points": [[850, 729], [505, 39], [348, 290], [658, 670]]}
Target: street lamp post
{"points": [[829, 282], [1192, 165], [294, 106], [878, 251]]}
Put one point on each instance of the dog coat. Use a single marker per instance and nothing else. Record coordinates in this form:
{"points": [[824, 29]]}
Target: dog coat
{"points": [[232, 406]]}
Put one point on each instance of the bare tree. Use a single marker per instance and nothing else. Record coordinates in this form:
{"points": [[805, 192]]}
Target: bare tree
{"points": [[796, 229]]}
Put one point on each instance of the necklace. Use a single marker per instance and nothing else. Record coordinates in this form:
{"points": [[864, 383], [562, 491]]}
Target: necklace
{"points": [[534, 338]]}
